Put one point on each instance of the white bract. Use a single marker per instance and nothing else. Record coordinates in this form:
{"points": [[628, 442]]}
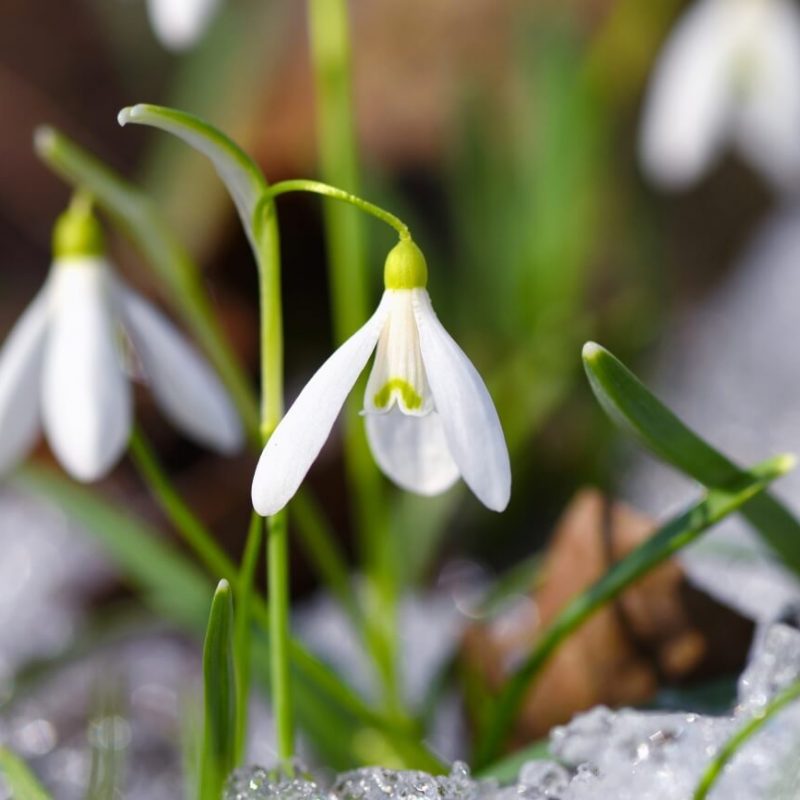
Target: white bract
{"points": [[728, 74], [180, 23], [429, 417], [62, 366]]}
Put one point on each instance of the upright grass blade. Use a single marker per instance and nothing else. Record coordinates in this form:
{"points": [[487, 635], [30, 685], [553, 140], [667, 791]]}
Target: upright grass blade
{"points": [[745, 733], [218, 757], [19, 780], [140, 220], [676, 534], [631, 406]]}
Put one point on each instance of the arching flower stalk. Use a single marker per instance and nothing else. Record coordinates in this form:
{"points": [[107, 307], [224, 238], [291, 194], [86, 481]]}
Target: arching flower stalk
{"points": [[62, 367], [429, 416]]}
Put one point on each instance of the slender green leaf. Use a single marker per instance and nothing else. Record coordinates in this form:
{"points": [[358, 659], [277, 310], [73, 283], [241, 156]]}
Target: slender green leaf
{"points": [[218, 757], [631, 406], [19, 780], [240, 174], [674, 535], [745, 733], [142, 222]]}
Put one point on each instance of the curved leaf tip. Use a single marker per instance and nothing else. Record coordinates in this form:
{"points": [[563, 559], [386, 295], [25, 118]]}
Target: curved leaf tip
{"points": [[44, 138], [591, 350]]}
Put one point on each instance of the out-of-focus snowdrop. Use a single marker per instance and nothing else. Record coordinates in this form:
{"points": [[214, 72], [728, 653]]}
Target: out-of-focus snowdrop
{"points": [[62, 365], [729, 74], [178, 24]]}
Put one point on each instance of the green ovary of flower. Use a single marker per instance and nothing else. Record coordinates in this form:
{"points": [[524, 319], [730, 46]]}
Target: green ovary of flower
{"points": [[411, 399], [77, 232], [405, 267]]}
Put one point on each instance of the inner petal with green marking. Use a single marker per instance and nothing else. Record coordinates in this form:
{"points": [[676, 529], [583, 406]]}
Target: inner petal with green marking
{"points": [[398, 374]]}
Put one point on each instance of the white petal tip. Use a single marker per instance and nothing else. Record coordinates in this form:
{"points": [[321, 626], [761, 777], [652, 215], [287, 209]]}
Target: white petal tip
{"points": [[265, 506], [88, 472], [44, 138]]}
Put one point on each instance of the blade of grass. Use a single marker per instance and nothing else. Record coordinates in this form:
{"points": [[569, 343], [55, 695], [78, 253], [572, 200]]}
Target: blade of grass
{"points": [[19, 779], [631, 406], [218, 757], [671, 537], [744, 734], [135, 214]]}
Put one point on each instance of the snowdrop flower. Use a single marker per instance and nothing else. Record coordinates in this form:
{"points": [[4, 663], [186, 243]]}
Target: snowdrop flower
{"points": [[61, 367], [428, 415], [180, 23], [729, 73]]}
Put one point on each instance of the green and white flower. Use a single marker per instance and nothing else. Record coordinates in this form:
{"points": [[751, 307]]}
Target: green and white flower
{"points": [[429, 417], [178, 24], [62, 367]]}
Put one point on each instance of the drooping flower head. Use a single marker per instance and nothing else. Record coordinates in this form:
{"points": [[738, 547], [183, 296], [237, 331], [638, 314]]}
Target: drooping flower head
{"points": [[728, 74], [62, 366], [180, 23], [429, 417]]}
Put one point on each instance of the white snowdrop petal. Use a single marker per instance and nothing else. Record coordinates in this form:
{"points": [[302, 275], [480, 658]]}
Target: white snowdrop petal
{"points": [[471, 425], [86, 402], [299, 437], [688, 103], [20, 375], [185, 387], [180, 23], [412, 451], [768, 123]]}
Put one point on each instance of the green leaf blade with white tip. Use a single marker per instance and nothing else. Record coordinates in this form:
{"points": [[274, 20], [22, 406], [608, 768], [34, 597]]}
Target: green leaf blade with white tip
{"points": [[676, 534], [218, 757], [240, 174], [178, 275], [19, 780], [634, 408]]}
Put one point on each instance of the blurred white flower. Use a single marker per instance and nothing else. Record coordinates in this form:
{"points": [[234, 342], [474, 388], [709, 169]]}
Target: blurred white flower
{"points": [[180, 23], [728, 74], [61, 367], [429, 416]]}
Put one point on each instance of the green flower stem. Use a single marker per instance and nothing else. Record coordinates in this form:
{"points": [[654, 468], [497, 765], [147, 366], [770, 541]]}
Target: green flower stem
{"points": [[671, 537], [732, 746], [243, 626], [330, 49], [268, 253], [317, 187]]}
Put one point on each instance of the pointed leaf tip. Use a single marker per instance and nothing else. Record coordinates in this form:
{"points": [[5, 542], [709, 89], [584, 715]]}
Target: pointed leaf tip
{"points": [[786, 462], [44, 137], [125, 115], [591, 350], [222, 587]]}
